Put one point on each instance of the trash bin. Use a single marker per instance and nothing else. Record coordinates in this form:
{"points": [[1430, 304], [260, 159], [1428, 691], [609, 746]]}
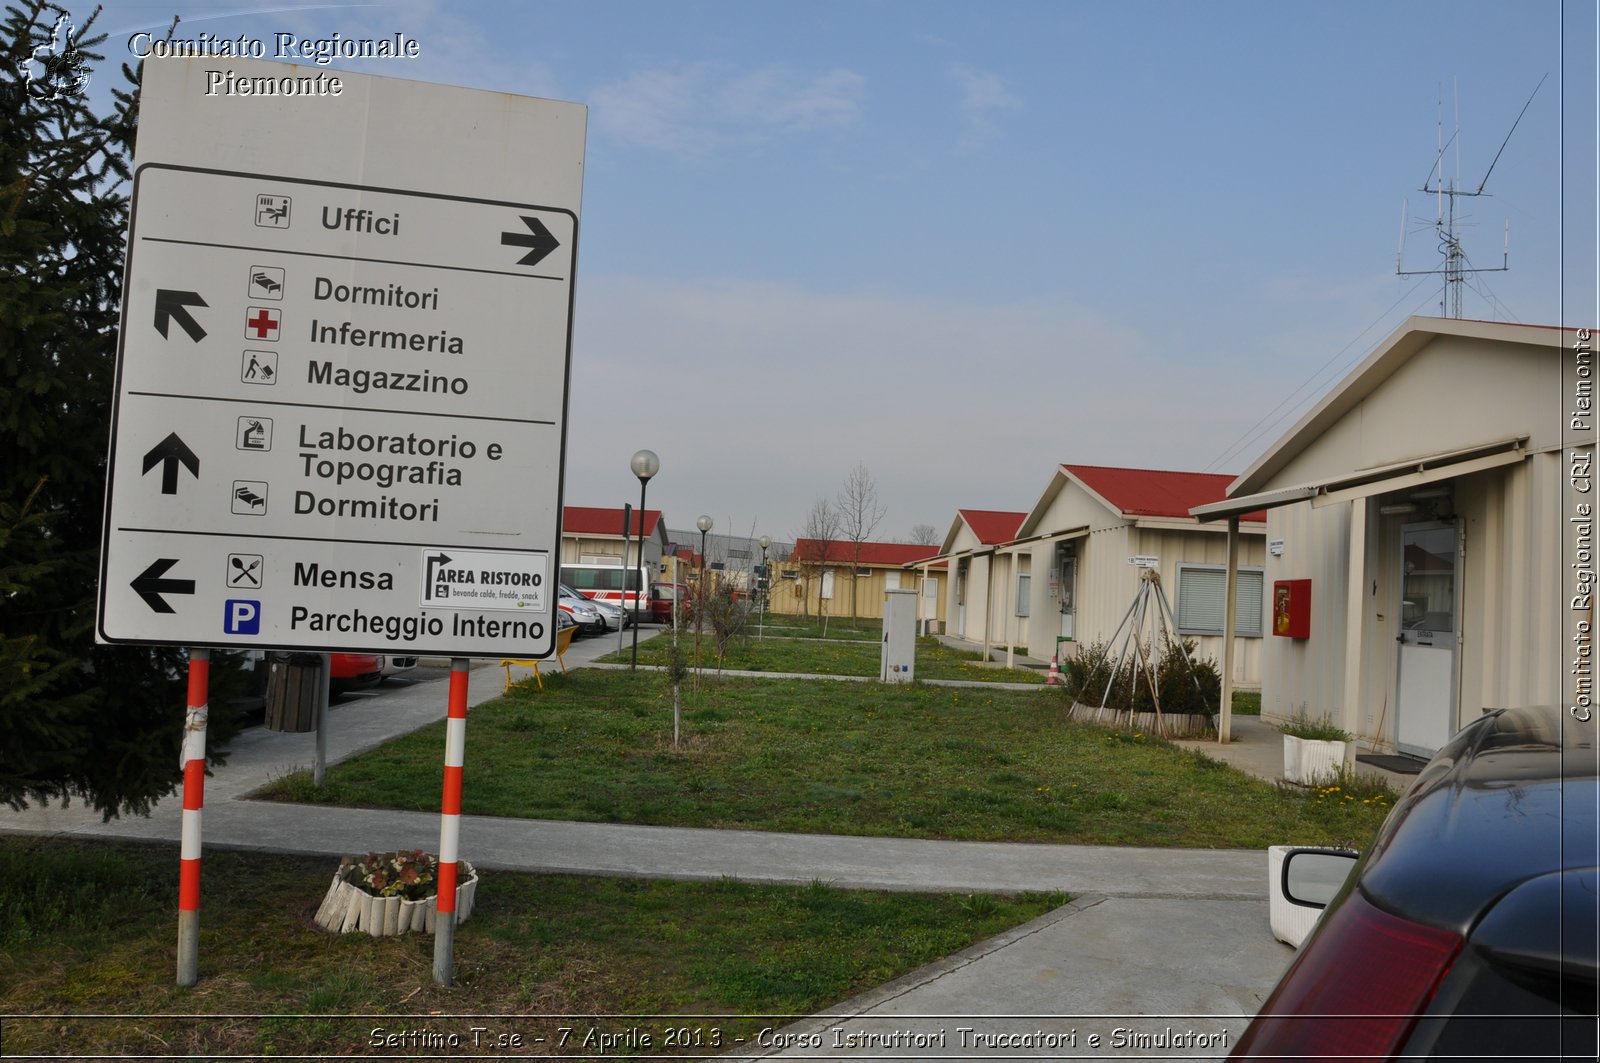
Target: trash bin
{"points": [[294, 686]]}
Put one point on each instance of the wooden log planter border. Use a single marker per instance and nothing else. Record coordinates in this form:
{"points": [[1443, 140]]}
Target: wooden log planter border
{"points": [[347, 908], [1177, 725]]}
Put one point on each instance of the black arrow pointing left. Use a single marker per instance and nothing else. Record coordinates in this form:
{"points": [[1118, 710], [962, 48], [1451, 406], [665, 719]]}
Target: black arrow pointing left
{"points": [[539, 240], [150, 586], [169, 454], [174, 306]]}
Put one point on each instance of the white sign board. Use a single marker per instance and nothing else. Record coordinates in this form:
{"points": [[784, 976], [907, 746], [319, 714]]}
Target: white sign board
{"points": [[1145, 561], [341, 387]]}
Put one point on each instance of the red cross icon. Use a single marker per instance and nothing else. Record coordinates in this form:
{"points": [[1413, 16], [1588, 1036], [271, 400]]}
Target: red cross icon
{"points": [[261, 323]]}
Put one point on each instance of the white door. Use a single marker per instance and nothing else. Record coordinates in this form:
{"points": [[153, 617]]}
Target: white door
{"points": [[1429, 620], [1069, 583], [961, 600]]}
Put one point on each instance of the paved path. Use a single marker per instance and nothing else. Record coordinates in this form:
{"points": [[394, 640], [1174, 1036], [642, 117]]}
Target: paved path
{"points": [[1151, 933]]}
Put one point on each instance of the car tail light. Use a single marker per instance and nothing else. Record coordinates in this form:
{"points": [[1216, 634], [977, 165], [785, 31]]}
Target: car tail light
{"points": [[1355, 990]]}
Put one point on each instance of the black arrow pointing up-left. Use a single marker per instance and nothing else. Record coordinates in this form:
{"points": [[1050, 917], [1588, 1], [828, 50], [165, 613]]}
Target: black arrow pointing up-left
{"points": [[150, 586], [538, 240], [169, 454], [174, 306]]}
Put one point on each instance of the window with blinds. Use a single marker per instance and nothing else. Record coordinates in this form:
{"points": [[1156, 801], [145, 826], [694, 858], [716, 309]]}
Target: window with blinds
{"points": [[1201, 600]]}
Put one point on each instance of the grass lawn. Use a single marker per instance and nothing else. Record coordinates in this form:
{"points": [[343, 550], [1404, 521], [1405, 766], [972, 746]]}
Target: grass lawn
{"points": [[819, 756], [858, 628], [90, 930], [935, 660]]}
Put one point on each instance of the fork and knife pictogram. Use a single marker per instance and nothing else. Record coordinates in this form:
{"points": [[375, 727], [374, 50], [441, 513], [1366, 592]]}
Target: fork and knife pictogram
{"points": [[246, 572]]}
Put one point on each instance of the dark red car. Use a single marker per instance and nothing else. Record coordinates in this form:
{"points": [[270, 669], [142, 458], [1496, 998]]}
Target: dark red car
{"points": [[662, 597]]}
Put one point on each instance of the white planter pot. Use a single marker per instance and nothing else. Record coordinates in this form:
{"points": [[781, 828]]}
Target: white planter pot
{"points": [[1176, 725], [346, 909], [1308, 761]]}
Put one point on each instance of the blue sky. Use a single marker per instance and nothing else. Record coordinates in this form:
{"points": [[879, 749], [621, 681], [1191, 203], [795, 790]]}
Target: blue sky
{"points": [[960, 242]]}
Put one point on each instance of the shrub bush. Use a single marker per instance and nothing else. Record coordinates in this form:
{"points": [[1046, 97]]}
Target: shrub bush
{"points": [[1300, 725], [1182, 690]]}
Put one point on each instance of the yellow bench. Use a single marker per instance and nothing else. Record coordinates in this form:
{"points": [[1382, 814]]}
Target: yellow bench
{"points": [[563, 640]]}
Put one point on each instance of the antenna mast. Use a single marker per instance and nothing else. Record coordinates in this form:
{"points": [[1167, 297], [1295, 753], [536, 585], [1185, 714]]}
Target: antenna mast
{"points": [[1446, 191]]}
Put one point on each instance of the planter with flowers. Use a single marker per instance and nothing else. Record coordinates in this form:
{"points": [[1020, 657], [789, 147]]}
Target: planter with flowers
{"points": [[1313, 750], [391, 893]]}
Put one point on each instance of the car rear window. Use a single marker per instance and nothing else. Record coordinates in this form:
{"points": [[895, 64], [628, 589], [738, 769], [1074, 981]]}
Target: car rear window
{"points": [[1504, 1012]]}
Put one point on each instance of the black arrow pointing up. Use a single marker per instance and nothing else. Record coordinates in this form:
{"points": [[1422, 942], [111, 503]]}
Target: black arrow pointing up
{"points": [[169, 454], [539, 241], [174, 306], [150, 586]]}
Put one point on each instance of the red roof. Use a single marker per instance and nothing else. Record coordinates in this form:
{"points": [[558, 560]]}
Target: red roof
{"points": [[843, 552], [992, 526], [587, 520], [1155, 492]]}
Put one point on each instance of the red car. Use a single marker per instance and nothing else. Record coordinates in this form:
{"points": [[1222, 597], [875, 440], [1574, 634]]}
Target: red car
{"points": [[351, 670], [662, 596]]}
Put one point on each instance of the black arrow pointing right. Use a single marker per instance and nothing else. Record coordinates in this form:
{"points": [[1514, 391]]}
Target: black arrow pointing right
{"points": [[174, 306], [169, 454], [433, 563], [150, 586], [539, 240]]}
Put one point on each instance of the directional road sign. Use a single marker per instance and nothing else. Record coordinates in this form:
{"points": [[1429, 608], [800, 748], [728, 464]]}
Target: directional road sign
{"points": [[341, 400]]}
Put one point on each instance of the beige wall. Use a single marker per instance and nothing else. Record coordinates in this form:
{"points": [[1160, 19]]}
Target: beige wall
{"points": [[992, 600], [675, 569], [940, 579], [963, 612], [1455, 392], [1107, 585], [868, 594], [1510, 645], [579, 550]]}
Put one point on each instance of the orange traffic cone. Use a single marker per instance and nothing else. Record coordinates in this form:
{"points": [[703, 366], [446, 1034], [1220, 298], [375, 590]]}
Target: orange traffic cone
{"points": [[1054, 678]]}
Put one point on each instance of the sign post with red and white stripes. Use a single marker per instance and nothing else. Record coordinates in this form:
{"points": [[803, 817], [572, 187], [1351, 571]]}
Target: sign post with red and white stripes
{"points": [[455, 750], [194, 790]]}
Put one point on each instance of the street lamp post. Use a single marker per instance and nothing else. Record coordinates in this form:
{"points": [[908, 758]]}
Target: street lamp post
{"points": [[704, 524], [763, 587], [644, 464]]}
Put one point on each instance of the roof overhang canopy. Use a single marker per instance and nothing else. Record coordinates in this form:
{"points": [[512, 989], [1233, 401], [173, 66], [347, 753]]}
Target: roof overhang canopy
{"points": [[1379, 480], [1011, 547]]}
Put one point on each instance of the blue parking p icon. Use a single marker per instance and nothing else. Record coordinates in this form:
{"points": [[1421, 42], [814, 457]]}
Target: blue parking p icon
{"points": [[241, 616]]}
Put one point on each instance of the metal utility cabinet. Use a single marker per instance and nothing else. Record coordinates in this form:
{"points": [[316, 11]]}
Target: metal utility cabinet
{"points": [[899, 660]]}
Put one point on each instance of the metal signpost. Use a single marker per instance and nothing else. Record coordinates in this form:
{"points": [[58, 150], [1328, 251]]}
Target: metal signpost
{"points": [[339, 421]]}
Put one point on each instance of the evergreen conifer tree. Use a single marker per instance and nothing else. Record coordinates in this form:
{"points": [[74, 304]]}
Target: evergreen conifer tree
{"points": [[103, 723]]}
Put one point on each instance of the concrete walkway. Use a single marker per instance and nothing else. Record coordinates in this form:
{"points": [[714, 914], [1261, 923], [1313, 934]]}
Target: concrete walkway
{"points": [[1155, 934]]}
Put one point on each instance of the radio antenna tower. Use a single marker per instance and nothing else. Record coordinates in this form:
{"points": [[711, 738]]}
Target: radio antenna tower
{"points": [[1446, 190]]}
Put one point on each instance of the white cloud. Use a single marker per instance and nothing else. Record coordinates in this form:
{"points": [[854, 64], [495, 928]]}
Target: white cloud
{"points": [[779, 97], [982, 91], [701, 106], [655, 109], [983, 95]]}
